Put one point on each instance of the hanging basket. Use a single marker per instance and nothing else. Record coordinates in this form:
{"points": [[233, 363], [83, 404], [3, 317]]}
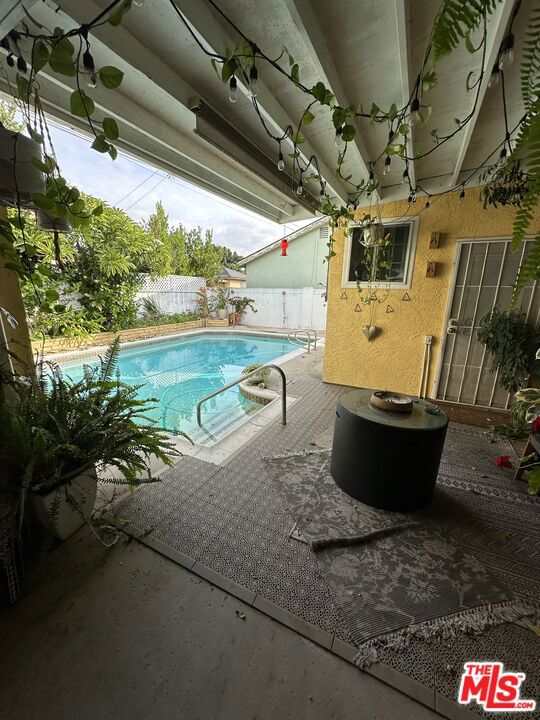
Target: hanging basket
{"points": [[19, 177], [48, 223]]}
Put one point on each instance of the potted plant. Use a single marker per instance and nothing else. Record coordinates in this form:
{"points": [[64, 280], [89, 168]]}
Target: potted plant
{"points": [[56, 434], [258, 378], [240, 305], [222, 302], [205, 303]]}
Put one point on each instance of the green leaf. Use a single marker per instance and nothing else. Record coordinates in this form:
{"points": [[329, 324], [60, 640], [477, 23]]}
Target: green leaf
{"points": [[62, 62], [424, 114], [110, 76], [321, 93], [77, 207], [40, 55], [23, 87], [110, 128], [429, 80], [36, 137], [98, 210], [42, 201], [36, 162], [52, 295], [348, 133], [228, 69], [113, 152], [404, 129], [392, 113], [338, 117], [533, 480], [295, 73], [309, 117], [100, 144], [81, 104], [59, 308], [65, 45], [375, 109]]}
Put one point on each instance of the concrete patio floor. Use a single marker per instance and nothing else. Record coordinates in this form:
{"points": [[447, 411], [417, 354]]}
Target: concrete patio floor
{"points": [[126, 634]]}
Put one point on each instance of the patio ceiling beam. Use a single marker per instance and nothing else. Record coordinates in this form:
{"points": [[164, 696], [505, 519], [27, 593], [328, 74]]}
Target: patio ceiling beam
{"points": [[500, 20], [217, 38], [313, 37], [150, 138], [404, 51]]}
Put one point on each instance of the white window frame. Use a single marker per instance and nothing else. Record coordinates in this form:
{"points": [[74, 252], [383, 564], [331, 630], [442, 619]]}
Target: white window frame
{"points": [[409, 258]]}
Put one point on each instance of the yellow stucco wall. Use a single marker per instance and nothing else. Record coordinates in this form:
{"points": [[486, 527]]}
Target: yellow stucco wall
{"points": [[393, 360]]}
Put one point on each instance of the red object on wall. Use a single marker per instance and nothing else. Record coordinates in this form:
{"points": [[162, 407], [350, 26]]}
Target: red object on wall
{"points": [[284, 244]]}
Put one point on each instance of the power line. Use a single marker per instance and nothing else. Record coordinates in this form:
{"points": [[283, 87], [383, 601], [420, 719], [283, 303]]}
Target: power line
{"points": [[136, 188], [165, 177]]}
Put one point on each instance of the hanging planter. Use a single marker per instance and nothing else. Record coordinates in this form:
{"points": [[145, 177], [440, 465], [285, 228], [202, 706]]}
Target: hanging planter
{"points": [[19, 177], [48, 223]]}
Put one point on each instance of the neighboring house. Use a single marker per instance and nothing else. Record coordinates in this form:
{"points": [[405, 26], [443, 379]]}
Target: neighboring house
{"points": [[232, 278], [303, 266]]}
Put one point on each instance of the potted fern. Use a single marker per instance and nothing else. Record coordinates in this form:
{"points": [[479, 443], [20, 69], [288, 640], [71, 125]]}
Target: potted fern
{"points": [[56, 434]]}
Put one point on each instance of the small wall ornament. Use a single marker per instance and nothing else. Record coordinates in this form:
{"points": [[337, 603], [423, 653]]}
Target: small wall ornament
{"points": [[343, 295]]}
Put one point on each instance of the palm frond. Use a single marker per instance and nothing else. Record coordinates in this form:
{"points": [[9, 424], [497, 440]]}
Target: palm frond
{"points": [[455, 20]]}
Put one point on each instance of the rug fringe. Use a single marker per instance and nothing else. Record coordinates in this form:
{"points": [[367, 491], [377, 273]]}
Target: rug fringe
{"points": [[474, 620], [334, 542]]}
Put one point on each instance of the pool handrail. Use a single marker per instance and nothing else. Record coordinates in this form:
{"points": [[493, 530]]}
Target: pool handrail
{"points": [[308, 332], [257, 371]]}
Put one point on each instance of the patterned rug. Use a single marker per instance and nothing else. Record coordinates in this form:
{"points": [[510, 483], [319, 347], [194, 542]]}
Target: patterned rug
{"points": [[327, 516], [461, 564]]}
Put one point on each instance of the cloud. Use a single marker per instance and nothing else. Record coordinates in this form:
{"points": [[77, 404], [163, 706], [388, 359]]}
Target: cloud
{"points": [[136, 188]]}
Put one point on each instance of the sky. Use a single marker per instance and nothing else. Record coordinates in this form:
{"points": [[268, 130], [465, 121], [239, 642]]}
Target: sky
{"points": [[136, 187]]}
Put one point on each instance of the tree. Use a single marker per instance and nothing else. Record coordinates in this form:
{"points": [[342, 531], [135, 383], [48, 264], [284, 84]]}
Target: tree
{"points": [[204, 257], [230, 258], [8, 111]]}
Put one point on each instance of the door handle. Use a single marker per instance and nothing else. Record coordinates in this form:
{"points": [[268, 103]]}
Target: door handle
{"points": [[451, 328]]}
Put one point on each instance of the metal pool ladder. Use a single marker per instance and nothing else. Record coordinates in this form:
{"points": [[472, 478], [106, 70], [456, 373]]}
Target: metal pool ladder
{"points": [[246, 377], [293, 333]]}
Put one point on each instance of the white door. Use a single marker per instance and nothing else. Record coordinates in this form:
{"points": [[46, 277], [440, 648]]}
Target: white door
{"points": [[484, 275]]}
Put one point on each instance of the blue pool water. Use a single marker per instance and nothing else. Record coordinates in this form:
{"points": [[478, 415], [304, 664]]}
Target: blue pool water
{"points": [[180, 372]]}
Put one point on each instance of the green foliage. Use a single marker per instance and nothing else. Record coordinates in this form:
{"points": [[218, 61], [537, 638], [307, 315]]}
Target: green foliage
{"points": [[261, 377], [55, 429], [513, 344], [222, 296], [241, 304], [519, 427], [456, 21], [154, 315]]}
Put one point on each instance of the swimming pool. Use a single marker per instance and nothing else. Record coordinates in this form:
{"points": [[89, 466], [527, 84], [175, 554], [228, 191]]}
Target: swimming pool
{"points": [[180, 372]]}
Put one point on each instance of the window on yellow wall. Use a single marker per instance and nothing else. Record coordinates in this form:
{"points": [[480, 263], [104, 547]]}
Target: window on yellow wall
{"points": [[398, 273]]}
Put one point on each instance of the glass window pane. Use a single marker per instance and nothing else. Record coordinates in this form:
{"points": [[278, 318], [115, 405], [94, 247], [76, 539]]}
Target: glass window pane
{"points": [[399, 239]]}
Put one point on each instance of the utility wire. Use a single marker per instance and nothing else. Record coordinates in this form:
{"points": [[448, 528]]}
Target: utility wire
{"points": [[165, 177], [135, 188]]}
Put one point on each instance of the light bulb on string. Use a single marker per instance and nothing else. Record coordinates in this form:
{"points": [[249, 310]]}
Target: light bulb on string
{"points": [[253, 81], [91, 80], [494, 77], [414, 116], [462, 195], [280, 162], [21, 65], [506, 56], [405, 176], [300, 189], [233, 89], [427, 203], [502, 158], [138, 3], [387, 165], [322, 192], [338, 139]]}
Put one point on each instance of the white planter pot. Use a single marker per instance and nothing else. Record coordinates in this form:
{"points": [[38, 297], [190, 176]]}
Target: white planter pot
{"points": [[16, 152], [68, 516], [222, 313]]}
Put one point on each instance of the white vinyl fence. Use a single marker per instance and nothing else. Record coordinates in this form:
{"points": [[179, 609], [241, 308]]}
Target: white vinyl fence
{"points": [[173, 293], [285, 307]]}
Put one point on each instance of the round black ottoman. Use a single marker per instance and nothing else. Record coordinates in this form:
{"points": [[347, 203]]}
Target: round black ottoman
{"points": [[387, 460]]}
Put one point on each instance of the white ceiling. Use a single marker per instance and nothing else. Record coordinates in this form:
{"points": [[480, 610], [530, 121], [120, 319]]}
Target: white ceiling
{"points": [[366, 52]]}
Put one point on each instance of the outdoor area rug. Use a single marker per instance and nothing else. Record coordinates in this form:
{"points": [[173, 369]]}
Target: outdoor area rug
{"points": [[399, 576]]}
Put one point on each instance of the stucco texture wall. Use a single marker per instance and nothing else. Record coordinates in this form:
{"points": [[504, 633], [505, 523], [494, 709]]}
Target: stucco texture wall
{"points": [[393, 360], [303, 266]]}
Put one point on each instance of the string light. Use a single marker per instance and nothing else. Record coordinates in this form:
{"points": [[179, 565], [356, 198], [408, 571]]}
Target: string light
{"points": [[10, 61], [300, 188], [502, 158], [409, 199], [280, 162], [138, 3], [414, 116], [387, 165], [253, 81], [21, 65], [427, 202], [494, 77], [233, 89], [405, 176], [506, 50], [462, 195], [338, 139]]}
